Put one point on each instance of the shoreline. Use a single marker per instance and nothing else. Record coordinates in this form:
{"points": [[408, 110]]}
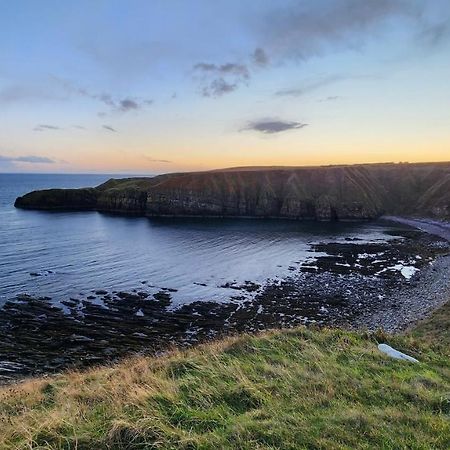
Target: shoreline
{"points": [[431, 226], [403, 308], [429, 291], [345, 285]]}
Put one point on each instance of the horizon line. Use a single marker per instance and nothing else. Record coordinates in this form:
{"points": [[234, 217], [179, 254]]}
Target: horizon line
{"points": [[253, 167]]}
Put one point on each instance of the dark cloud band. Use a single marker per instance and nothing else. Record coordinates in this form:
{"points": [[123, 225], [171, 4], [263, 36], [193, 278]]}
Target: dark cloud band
{"points": [[273, 126]]}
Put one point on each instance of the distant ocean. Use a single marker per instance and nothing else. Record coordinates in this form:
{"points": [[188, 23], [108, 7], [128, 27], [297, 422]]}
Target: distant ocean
{"points": [[69, 254]]}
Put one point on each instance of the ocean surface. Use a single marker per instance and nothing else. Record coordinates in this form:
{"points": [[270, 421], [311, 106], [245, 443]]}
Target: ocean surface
{"points": [[71, 254]]}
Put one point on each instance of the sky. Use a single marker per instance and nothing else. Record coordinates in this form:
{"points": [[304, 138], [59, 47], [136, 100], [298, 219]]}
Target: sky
{"points": [[130, 86]]}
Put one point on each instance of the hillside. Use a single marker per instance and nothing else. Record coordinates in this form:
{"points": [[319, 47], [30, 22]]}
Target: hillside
{"points": [[292, 389], [319, 193]]}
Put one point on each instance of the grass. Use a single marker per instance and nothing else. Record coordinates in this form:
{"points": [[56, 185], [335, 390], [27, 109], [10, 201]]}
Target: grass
{"points": [[436, 328], [291, 389]]}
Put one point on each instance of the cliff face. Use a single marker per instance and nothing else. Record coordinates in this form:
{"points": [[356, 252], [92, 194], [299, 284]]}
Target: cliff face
{"points": [[302, 194], [319, 193]]}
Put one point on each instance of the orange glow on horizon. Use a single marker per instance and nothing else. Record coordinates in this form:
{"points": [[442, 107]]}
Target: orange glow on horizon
{"points": [[104, 161]]}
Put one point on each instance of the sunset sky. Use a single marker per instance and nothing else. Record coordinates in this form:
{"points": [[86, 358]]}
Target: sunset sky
{"points": [[167, 85]]}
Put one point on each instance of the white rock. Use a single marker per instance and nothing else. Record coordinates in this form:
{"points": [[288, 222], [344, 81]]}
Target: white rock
{"points": [[388, 350], [406, 271]]}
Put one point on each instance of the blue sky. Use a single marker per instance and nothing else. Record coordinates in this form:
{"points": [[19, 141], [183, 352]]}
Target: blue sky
{"points": [[158, 86]]}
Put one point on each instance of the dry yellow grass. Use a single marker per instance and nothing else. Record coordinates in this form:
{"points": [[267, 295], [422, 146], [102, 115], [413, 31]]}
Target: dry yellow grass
{"points": [[293, 389]]}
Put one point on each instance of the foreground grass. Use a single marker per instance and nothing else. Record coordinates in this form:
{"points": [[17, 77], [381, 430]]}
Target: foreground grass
{"points": [[292, 389]]}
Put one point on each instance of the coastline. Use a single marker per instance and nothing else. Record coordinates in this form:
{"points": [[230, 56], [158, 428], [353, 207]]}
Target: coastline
{"points": [[416, 301], [345, 285], [429, 291], [432, 226]]}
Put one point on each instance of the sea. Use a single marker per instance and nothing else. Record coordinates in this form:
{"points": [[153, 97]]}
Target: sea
{"points": [[72, 254]]}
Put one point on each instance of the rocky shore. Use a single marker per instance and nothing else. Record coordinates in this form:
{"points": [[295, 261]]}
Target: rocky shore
{"points": [[429, 290], [350, 283], [436, 227]]}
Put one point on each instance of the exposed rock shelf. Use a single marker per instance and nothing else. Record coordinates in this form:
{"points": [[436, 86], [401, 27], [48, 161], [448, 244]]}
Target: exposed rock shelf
{"points": [[351, 284], [319, 193]]}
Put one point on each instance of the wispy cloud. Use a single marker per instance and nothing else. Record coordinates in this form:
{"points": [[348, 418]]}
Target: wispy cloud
{"points": [[218, 87], [435, 34], [34, 92], [120, 104], [127, 104], [330, 98], [273, 126], [313, 85], [43, 127], [56, 88], [309, 86], [115, 103], [219, 79], [240, 70], [32, 159], [149, 158], [109, 128], [299, 30], [260, 57], [307, 29], [127, 58]]}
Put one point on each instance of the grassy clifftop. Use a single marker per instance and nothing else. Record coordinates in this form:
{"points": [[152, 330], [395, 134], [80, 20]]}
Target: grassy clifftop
{"points": [[324, 193], [293, 389]]}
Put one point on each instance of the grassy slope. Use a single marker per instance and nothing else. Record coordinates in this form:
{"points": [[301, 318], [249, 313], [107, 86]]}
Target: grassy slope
{"points": [[436, 328], [292, 389]]}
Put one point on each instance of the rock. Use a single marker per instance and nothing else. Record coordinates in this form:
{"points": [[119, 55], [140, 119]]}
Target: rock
{"points": [[162, 296], [23, 297], [128, 296], [388, 350]]}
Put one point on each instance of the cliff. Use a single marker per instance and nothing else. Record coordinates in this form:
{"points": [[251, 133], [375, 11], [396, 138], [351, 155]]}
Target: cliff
{"points": [[319, 193]]}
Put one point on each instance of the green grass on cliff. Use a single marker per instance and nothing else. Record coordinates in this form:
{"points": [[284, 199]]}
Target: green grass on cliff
{"points": [[294, 389]]}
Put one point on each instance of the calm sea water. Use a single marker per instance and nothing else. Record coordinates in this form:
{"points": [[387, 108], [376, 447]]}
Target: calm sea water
{"points": [[74, 253]]}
